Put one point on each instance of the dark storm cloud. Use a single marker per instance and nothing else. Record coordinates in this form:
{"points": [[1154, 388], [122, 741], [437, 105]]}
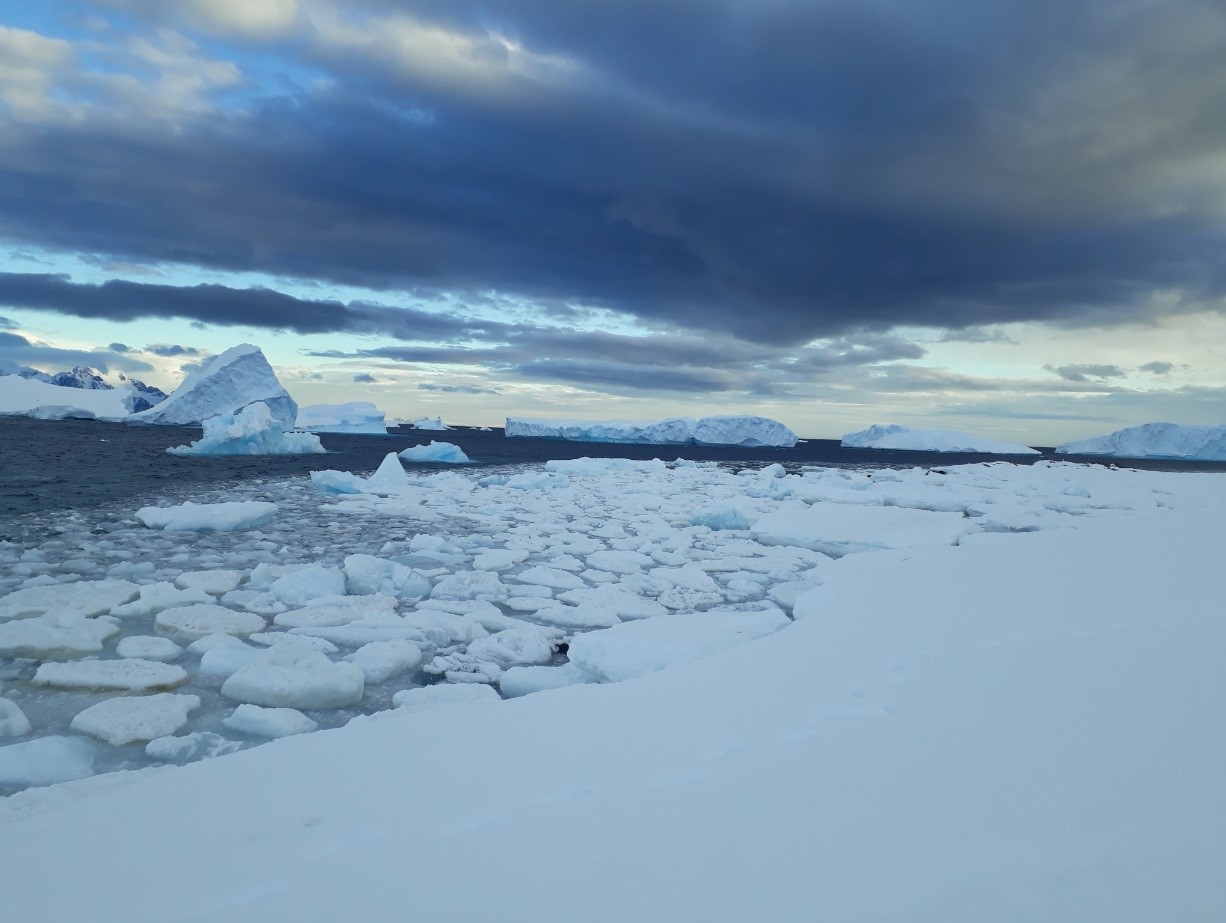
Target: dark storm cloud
{"points": [[1086, 372], [364, 379], [776, 171], [171, 350], [16, 348], [457, 389], [120, 348], [621, 376], [6, 324]]}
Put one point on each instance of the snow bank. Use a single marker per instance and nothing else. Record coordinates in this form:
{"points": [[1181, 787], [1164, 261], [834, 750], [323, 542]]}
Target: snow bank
{"points": [[207, 517], [30, 397], [1155, 440], [436, 452], [837, 529], [361, 417], [719, 430], [224, 385], [251, 431], [894, 436]]}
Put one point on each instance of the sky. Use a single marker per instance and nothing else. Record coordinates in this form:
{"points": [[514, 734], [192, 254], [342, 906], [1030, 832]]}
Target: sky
{"points": [[1000, 216]]}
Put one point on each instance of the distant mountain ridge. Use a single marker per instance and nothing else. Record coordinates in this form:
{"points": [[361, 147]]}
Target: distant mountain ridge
{"points": [[143, 396]]}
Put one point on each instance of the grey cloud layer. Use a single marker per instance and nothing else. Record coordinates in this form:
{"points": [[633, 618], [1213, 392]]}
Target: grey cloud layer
{"points": [[771, 171]]}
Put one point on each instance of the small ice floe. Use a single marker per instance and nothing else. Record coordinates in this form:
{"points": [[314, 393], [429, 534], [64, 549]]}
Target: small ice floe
{"points": [[13, 721], [268, 722], [207, 517], [190, 623], [47, 760], [379, 661], [127, 719], [81, 597], [56, 636], [127, 674], [520, 681], [441, 452], [148, 647], [289, 677]]}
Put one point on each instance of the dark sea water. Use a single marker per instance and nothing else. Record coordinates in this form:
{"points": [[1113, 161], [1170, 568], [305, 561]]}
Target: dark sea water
{"points": [[62, 464]]}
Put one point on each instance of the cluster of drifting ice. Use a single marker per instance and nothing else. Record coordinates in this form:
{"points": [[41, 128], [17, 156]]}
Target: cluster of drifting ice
{"points": [[1155, 440], [436, 452], [739, 430], [894, 436], [360, 417], [364, 593], [225, 385], [251, 431]]}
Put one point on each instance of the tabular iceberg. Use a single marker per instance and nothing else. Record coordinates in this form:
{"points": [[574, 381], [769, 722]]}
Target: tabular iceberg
{"points": [[224, 385], [251, 431], [360, 417], [893, 436], [1155, 440], [738, 429]]}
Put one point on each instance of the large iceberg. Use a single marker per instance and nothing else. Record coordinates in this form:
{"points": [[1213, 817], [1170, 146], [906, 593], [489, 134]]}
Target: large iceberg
{"points": [[225, 385], [893, 436], [736, 429], [354, 417], [444, 452], [1155, 440], [254, 430]]}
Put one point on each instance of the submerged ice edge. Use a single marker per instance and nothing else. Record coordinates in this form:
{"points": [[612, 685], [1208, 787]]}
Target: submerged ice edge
{"points": [[568, 572]]}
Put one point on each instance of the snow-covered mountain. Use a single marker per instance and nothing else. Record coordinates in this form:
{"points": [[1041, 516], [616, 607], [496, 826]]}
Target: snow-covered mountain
{"points": [[135, 395], [225, 385]]}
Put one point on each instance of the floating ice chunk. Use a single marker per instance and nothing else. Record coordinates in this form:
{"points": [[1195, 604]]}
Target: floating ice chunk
{"points": [[390, 475], [689, 577], [361, 417], [893, 436], [443, 452], [158, 596], [381, 660], [550, 577], [148, 647], [128, 674], [190, 747], [202, 646], [443, 628], [619, 562], [366, 575], [443, 695], [207, 517], [718, 518], [46, 761], [213, 582], [1155, 440], [337, 482], [192, 622], [225, 384], [471, 584], [574, 618], [338, 611], [224, 660], [611, 599], [513, 647], [251, 431], [536, 480], [274, 638], [309, 583], [602, 466], [285, 676], [381, 626], [55, 636], [13, 721], [268, 722], [519, 681], [637, 648], [499, 559], [126, 719], [81, 597], [430, 423], [837, 529]]}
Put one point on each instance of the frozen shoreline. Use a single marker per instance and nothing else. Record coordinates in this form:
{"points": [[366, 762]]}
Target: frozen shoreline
{"points": [[955, 731]]}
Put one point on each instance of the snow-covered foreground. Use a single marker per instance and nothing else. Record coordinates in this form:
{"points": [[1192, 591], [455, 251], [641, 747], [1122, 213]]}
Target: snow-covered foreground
{"points": [[1021, 726]]}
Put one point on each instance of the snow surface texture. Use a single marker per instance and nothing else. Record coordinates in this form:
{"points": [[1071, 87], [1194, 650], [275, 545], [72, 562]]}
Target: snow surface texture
{"points": [[1019, 726], [361, 417], [894, 436], [251, 431], [739, 430], [1155, 440], [443, 452], [224, 385], [30, 397]]}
